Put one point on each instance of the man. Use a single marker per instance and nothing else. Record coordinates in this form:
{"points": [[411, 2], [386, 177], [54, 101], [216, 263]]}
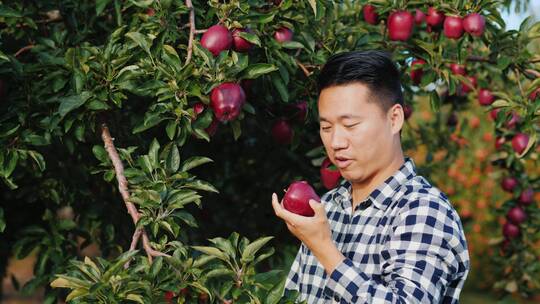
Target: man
{"points": [[384, 235]]}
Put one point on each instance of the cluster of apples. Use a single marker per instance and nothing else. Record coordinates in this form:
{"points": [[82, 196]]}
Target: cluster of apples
{"points": [[401, 22], [228, 98]]}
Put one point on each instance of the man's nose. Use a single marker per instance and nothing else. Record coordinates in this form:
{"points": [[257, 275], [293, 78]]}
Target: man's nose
{"points": [[339, 139]]}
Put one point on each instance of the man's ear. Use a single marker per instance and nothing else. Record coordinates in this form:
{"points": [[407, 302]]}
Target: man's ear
{"points": [[396, 117]]}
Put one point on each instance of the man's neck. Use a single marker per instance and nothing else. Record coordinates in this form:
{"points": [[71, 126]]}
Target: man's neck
{"points": [[360, 191]]}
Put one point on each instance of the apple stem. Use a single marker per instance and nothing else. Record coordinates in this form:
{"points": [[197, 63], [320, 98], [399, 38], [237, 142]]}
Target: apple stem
{"points": [[192, 30], [123, 189]]}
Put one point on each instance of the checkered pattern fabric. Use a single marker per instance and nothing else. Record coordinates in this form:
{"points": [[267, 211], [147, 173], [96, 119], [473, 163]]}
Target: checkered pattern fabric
{"points": [[403, 244]]}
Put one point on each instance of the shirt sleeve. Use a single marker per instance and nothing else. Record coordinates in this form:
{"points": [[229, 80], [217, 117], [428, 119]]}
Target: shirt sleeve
{"points": [[425, 252]]}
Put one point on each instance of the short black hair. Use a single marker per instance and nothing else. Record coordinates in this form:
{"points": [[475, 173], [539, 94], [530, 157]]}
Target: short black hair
{"points": [[373, 68]]}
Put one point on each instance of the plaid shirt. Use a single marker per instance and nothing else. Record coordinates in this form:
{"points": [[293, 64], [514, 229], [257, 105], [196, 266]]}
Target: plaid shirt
{"points": [[403, 244]]}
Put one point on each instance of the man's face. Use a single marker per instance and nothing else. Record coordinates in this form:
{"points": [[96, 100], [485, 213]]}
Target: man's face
{"points": [[359, 138]]}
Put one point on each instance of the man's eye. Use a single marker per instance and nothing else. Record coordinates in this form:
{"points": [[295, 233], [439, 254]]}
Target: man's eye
{"points": [[350, 126], [326, 128]]}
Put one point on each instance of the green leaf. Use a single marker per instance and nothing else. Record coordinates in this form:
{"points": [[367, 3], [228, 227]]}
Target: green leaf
{"points": [[70, 103], [292, 45], [76, 293], [434, 101], [173, 159], [153, 152], [280, 86], [256, 70], [135, 297], [313, 4], [224, 245], [8, 12], [194, 161], [156, 267], [220, 272], [141, 41], [248, 254], [236, 128], [38, 158], [186, 217], [201, 185], [100, 6], [100, 153], [252, 38], [212, 251], [275, 293], [3, 56]]}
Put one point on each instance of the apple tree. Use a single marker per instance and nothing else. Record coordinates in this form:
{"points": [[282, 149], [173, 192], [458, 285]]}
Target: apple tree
{"points": [[135, 133]]}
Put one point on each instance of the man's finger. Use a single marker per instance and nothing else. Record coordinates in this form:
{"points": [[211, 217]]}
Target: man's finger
{"points": [[275, 204]]}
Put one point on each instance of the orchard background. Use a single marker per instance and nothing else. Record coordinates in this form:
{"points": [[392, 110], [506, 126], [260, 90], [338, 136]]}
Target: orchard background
{"points": [[140, 140]]}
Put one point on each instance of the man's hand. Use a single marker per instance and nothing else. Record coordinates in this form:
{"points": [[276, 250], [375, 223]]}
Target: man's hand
{"points": [[314, 232]]}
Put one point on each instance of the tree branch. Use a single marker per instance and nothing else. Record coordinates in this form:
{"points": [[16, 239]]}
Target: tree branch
{"points": [[533, 72], [192, 30], [24, 49], [306, 72], [123, 188]]}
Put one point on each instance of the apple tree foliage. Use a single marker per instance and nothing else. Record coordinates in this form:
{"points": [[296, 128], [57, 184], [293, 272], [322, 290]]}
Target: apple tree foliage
{"points": [[109, 138]]}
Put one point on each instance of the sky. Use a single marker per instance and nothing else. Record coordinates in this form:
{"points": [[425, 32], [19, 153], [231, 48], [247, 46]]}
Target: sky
{"points": [[513, 20]]}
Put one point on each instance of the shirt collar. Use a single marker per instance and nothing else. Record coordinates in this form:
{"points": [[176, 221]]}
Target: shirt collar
{"points": [[382, 195]]}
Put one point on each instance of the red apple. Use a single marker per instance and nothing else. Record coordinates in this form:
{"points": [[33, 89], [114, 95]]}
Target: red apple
{"points": [[417, 72], [283, 34], [227, 100], [400, 25], [197, 109], [297, 198], [370, 14], [434, 18], [300, 110], [169, 295], [216, 39], [527, 197], [534, 94], [485, 98], [466, 88], [514, 120], [419, 17], [509, 183], [453, 27], [510, 230], [493, 113], [457, 69], [520, 142], [516, 215], [282, 132], [240, 44], [407, 111], [474, 24], [329, 177], [499, 142], [150, 12]]}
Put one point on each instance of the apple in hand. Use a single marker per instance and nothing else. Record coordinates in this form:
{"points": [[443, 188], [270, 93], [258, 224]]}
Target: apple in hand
{"points": [[297, 198]]}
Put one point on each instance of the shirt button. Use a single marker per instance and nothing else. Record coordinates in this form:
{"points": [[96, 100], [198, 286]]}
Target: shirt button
{"points": [[336, 297]]}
